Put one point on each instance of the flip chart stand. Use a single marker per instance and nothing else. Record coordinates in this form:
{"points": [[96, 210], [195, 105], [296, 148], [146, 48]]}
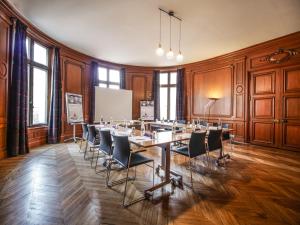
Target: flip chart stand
{"points": [[74, 138]]}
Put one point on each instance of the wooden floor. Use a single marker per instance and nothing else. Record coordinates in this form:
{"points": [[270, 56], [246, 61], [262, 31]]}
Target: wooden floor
{"points": [[54, 185]]}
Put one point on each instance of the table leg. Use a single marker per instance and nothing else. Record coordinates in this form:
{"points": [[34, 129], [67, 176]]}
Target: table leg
{"points": [[165, 164]]}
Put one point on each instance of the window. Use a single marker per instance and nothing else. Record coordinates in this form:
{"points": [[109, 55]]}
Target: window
{"points": [[38, 62], [109, 78], [167, 83]]}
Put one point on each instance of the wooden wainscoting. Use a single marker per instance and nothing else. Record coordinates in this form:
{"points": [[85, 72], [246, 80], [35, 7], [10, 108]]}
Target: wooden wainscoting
{"points": [[37, 136]]}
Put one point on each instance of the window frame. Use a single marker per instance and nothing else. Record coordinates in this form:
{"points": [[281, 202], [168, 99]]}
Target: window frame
{"points": [[108, 82], [31, 64], [168, 86]]}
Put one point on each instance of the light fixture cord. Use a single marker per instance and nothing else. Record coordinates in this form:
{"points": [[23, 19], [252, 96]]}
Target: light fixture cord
{"points": [[170, 32], [160, 27], [180, 36]]}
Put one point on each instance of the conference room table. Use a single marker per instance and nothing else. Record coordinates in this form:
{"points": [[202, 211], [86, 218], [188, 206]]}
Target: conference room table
{"points": [[163, 140], [162, 125]]}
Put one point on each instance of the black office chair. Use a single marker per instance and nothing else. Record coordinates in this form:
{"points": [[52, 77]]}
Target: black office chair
{"points": [[127, 159], [215, 124], [214, 142], [85, 133], [93, 142], [195, 148], [203, 123], [106, 147]]}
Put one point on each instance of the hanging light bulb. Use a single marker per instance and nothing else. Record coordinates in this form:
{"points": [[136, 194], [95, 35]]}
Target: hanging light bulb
{"points": [[170, 54], [160, 51], [179, 57]]}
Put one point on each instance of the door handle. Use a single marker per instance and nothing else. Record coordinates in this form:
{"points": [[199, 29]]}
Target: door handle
{"points": [[284, 121], [276, 121]]}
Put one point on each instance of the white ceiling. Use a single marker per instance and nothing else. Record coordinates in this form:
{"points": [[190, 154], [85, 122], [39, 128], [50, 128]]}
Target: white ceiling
{"points": [[127, 31]]}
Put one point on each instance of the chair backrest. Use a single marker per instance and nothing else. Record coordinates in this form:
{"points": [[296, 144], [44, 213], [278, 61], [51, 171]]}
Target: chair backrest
{"points": [[105, 141], [214, 141], [215, 124], [92, 134], [85, 131], [225, 125], [121, 151], [225, 135], [197, 144], [181, 121], [203, 123]]}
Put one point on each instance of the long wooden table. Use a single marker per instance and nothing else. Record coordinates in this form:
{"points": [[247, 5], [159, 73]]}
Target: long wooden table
{"points": [[163, 140]]}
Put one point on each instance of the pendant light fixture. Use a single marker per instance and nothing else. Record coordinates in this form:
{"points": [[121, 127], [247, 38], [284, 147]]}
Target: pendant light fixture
{"points": [[179, 57], [170, 53], [160, 50]]}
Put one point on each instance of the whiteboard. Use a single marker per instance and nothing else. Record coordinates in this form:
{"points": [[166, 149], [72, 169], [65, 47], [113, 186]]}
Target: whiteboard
{"points": [[112, 103], [74, 108]]}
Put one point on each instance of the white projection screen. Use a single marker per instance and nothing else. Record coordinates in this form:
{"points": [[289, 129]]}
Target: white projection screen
{"points": [[112, 103]]}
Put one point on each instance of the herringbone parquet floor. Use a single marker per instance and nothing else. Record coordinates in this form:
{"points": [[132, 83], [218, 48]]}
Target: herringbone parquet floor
{"points": [[54, 185]]}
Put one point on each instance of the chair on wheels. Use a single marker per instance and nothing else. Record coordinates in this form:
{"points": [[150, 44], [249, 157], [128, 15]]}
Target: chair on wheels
{"points": [[85, 133], [105, 147], [93, 143], [195, 148], [214, 142], [127, 159]]}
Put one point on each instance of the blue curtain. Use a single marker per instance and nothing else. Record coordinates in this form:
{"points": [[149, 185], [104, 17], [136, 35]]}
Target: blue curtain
{"points": [[54, 127], [94, 82], [180, 103], [156, 94], [17, 138], [123, 78]]}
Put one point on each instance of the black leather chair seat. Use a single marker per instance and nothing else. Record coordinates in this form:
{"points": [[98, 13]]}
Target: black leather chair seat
{"points": [[138, 159], [183, 150]]}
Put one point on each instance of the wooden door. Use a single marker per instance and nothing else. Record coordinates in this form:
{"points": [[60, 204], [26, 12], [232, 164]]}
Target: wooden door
{"points": [[290, 98], [264, 108]]}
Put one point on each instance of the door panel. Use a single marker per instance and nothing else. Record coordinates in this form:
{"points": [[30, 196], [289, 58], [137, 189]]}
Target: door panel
{"points": [[264, 108], [291, 136], [291, 108], [263, 133], [264, 116]]}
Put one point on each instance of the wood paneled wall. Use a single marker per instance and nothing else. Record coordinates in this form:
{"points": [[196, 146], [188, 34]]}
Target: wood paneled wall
{"points": [[227, 77], [4, 75], [139, 79]]}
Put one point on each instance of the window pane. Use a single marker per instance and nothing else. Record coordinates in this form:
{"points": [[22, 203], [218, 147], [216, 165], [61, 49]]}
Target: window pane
{"points": [[40, 54], [102, 73], [27, 48], [163, 103], [39, 96], [163, 78], [114, 76], [114, 86], [173, 78], [102, 85], [172, 103]]}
